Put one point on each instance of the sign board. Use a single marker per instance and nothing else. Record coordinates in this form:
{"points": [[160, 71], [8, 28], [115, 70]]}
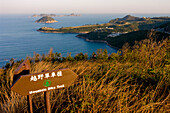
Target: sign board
{"points": [[44, 81], [23, 69], [25, 65]]}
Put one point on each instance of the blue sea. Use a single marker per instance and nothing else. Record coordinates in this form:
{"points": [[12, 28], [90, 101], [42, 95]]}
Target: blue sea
{"points": [[19, 38]]}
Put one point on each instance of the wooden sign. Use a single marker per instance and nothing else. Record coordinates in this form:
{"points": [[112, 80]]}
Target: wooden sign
{"points": [[23, 69], [44, 81], [27, 84], [23, 66]]}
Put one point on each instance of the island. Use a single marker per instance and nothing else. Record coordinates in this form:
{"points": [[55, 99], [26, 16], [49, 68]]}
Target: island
{"points": [[46, 19], [55, 15]]}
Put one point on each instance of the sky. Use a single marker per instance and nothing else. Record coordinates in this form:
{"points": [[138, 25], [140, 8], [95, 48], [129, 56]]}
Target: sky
{"points": [[84, 6]]}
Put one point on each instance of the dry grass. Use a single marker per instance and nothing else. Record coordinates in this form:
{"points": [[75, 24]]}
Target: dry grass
{"points": [[128, 84]]}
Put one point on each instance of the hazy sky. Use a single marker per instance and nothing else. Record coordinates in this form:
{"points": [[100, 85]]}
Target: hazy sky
{"points": [[84, 6]]}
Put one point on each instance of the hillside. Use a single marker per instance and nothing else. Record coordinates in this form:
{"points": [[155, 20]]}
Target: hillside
{"points": [[136, 81], [76, 29], [46, 19], [158, 33], [164, 27], [129, 38], [126, 18], [126, 24]]}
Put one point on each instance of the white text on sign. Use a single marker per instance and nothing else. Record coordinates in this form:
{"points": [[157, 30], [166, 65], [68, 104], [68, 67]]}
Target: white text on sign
{"points": [[46, 89], [46, 75]]}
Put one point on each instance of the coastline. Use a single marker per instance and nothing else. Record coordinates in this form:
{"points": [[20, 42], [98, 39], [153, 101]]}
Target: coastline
{"points": [[60, 32], [47, 22], [101, 41], [86, 39]]}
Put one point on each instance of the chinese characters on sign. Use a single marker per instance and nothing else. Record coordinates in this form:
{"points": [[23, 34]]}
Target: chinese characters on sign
{"points": [[46, 83], [27, 84], [46, 75]]}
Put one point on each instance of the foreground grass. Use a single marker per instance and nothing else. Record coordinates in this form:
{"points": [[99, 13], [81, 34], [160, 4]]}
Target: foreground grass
{"points": [[136, 81]]}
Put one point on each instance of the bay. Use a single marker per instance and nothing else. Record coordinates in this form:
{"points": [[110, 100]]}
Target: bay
{"points": [[19, 38]]}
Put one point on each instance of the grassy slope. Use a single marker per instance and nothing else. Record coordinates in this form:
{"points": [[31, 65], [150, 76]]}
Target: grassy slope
{"points": [[137, 81], [76, 29]]}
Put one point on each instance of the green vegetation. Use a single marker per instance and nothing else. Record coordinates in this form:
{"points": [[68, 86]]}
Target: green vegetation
{"points": [[126, 18], [125, 24], [136, 81], [101, 36], [77, 29], [164, 25], [133, 37], [130, 38]]}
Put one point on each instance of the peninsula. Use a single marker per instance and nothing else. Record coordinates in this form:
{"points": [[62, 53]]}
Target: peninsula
{"points": [[117, 31], [76, 29], [46, 19], [126, 24]]}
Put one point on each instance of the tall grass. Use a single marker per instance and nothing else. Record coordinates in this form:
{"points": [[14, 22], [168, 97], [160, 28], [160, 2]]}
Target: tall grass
{"points": [[136, 81]]}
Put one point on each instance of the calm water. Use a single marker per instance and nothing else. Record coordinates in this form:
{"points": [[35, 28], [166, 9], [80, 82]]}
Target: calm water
{"points": [[19, 38]]}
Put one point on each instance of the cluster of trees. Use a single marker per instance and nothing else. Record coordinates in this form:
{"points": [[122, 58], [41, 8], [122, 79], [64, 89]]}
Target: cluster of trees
{"points": [[130, 38], [100, 54]]}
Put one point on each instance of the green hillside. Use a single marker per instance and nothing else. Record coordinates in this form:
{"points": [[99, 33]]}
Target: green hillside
{"points": [[164, 25], [126, 18], [126, 24], [129, 38]]}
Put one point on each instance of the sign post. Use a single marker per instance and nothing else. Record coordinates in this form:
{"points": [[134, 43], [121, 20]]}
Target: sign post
{"points": [[27, 84], [29, 103], [24, 69], [47, 101]]}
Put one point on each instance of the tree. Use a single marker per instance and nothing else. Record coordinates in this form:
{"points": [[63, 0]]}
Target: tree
{"points": [[58, 56], [7, 65], [99, 53], [69, 57], [105, 54], [50, 54], [93, 55], [113, 57], [36, 57], [12, 61], [81, 56]]}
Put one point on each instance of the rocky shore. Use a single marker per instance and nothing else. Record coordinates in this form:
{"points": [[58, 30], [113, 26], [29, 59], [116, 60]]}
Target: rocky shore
{"points": [[55, 31], [48, 22], [102, 41]]}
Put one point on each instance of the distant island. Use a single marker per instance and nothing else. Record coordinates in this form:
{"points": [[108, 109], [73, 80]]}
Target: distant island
{"points": [[46, 19], [117, 31], [54, 15]]}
